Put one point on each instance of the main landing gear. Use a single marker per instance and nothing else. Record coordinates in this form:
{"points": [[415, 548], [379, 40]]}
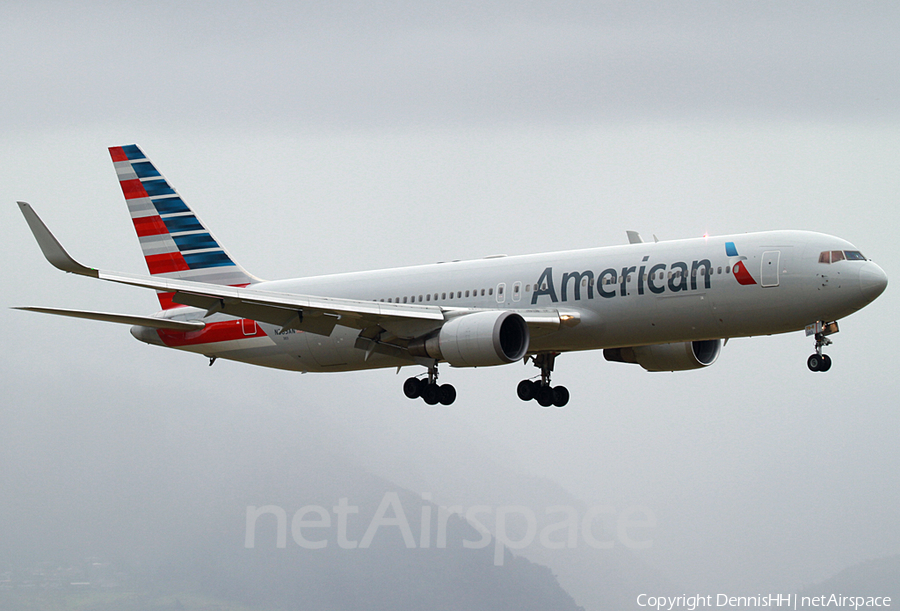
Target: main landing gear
{"points": [[429, 390], [540, 390], [819, 361]]}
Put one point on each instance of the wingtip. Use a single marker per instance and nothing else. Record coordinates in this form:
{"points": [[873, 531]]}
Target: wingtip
{"points": [[53, 251]]}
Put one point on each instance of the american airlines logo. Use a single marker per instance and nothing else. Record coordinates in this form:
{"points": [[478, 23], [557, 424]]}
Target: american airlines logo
{"points": [[658, 278], [740, 270]]}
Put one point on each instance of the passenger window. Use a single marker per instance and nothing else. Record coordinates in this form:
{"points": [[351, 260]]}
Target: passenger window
{"points": [[490, 291], [443, 295], [727, 269], [405, 299]]}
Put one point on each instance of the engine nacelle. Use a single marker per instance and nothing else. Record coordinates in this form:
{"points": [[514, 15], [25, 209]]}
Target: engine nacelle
{"points": [[479, 339], [679, 356]]}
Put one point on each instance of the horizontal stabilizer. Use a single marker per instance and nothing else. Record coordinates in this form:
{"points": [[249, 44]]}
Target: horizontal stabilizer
{"points": [[125, 319]]}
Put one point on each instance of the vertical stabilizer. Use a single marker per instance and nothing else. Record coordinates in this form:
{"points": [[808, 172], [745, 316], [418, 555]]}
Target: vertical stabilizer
{"points": [[175, 243]]}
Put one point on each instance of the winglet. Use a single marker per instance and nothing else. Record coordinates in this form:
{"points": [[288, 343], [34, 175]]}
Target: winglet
{"points": [[50, 246], [634, 237]]}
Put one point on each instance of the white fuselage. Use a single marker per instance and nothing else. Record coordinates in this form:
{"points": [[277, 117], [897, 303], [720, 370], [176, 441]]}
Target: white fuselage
{"points": [[628, 295]]}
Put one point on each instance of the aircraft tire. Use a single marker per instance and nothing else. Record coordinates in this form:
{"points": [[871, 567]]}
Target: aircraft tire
{"points": [[412, 388], [545, 396], [431, 394], [560, 396], [813, 362], [818, 363], [525, 390], [446, 394]]}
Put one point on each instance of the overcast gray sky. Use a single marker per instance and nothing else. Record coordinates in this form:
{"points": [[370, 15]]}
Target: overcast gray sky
{"points": [[336, 137]]}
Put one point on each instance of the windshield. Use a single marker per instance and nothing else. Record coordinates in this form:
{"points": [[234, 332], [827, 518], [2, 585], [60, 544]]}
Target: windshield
{"points": [[833, 256]]}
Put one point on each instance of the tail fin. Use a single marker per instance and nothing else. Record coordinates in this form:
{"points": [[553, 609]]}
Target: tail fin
{"points": [[174, 241]]}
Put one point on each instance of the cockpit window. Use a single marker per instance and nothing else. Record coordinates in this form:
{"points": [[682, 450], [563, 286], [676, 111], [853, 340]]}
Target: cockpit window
{"points": [[833, 256]]}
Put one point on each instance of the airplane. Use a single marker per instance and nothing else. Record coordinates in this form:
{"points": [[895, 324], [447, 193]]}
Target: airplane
{"points": [[663, 305]]}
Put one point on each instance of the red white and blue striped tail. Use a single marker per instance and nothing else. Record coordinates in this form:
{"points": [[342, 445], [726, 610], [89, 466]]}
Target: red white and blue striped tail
{"points": [[176, 244]]}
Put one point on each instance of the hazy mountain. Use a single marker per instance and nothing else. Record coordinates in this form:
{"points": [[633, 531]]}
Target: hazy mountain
{"points": [[878, 577]]}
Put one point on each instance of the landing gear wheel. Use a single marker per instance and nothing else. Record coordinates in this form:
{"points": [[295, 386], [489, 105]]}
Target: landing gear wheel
{"points": [[545, 396], [819, 362], [446, 394], [431, 394], [560, 396], [412, 388], [526, 390], [814, 362]]}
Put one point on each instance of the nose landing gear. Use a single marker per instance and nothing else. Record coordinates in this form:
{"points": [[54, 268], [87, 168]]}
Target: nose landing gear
{"points": [[819, 361], [429, 390], [540, 390]]}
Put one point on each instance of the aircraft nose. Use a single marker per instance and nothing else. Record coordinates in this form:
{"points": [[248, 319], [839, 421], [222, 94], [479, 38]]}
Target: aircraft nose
{"points": [[872, 280]]}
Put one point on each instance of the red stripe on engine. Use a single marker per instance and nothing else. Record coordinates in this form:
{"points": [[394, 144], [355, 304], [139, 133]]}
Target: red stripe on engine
{"points": [[224, 331], [166, 263], [149, 225], [132, 189], [117, 154]]}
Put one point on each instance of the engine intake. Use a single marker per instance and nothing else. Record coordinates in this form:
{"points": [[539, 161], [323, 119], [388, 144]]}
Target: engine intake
{"points": [[479, 339], [679, 356]]}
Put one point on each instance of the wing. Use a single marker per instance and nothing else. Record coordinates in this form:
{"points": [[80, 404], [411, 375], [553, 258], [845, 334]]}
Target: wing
{"points": [[377, 320]]}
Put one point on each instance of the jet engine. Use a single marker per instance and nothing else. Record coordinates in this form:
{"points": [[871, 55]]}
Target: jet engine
{"points": [[479, 339], [679, 356]]}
